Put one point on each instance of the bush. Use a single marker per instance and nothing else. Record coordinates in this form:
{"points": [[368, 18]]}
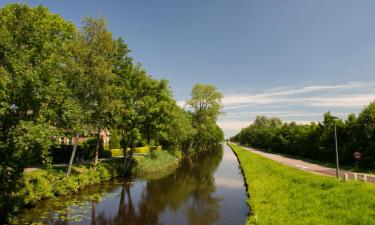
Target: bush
{"points": [[140, 150], [36, 185], [114, 141], [40, 184], [117, 152], [156, 164]]}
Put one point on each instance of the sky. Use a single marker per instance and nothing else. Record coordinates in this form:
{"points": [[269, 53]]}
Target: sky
{"points": [[293, 59]]}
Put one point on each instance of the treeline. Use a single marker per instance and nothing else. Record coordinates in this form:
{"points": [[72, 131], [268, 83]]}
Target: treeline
{"points": [[316, 140], [57, 80]]}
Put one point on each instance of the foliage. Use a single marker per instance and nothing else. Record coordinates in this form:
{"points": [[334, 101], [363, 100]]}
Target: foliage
{"points": [[32, 91], [316, 141], [114, 141], [92, 73], [206, 104], [180, 131], [285, 195], [116, 152], [155, 165], [41, 184]]}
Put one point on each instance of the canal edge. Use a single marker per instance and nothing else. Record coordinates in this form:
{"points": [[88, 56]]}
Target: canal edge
{"points": [[250, 212]]}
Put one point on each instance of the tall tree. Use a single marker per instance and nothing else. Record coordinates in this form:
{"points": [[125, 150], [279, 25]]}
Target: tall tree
{"points": [[32, 90], [129, 118], [93, 63], [366, 134], [206, 104], [180, 131]]}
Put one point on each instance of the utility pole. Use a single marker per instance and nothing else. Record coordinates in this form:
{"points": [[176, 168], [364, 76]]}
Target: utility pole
{"points": [[337, 153]]}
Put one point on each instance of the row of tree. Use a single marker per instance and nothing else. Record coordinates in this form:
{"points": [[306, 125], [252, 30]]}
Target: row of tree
{"points": [[316, 140], [57, 80]]}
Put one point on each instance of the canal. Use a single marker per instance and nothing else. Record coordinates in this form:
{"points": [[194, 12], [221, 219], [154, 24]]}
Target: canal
{"points": [[209, 191]]}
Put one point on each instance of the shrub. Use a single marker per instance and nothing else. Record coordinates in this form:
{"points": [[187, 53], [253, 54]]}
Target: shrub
{"points": [[155, 165], [140, 150], [116, 152], [36, 185], [103, 171]]}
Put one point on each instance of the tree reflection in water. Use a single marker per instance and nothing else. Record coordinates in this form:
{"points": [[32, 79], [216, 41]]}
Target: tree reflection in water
{"points": [[189, 193], [190, 188]]}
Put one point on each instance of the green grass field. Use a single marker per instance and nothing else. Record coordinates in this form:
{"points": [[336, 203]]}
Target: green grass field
{"points": [[283, 195]]}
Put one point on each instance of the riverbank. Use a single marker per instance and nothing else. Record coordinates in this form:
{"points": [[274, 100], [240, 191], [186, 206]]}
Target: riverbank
{"points": [[41, 183], [283, 195], [155, 165]]}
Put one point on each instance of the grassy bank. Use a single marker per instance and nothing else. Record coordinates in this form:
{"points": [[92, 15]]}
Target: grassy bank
{"points": [[155, 165], [283, 195], [40, 184]]}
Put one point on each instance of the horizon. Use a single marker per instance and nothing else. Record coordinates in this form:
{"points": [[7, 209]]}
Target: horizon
{"points": [[292, 60]]}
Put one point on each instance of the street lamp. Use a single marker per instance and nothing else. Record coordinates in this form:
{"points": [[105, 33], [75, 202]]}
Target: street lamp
{"points": [[336, 148]]}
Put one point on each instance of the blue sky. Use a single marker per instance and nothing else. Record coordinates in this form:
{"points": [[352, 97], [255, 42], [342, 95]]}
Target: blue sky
{"points": [[293, 59]]}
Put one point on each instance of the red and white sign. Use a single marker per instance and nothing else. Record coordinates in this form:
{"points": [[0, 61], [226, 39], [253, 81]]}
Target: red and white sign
{"points": [[357, 155]]}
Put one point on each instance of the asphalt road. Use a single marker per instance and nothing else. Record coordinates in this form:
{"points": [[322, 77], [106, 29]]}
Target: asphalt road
{"points": [[310, 167]]}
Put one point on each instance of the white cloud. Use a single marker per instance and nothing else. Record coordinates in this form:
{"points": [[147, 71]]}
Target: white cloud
{"points": [[233, 125], [228, 182], [323, 97], [271, 113], [181, 103], [300, 104], [342, 100]]}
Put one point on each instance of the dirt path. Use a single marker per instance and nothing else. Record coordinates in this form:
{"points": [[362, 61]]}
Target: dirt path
{"points": [[307, 166]]}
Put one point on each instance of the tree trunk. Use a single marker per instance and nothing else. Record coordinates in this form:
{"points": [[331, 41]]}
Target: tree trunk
{"points": [[93, 213], [132, 148], [190, 161], [190, 145], [96, 160], [125, 152], [129, 158], [72, 157]]}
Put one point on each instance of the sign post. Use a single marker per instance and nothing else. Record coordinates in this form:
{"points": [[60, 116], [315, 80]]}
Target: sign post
{"points": [[357, 155]]}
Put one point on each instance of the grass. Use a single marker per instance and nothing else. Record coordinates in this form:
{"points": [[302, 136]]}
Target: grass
{"points": [[155, 165], [350, 168], [284, 195]]}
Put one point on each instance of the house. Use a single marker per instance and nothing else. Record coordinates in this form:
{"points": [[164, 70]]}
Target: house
{"points": [[104, 135]]}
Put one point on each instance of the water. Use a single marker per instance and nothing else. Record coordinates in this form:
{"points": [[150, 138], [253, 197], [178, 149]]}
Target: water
{"points": [[211, 191]]}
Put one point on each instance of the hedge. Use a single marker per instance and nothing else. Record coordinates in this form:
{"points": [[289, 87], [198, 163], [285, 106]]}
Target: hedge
{"points": [[141, 150]]}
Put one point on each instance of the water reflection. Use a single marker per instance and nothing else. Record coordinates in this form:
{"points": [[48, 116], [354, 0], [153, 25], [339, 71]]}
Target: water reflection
{"points": [[200, 193]]}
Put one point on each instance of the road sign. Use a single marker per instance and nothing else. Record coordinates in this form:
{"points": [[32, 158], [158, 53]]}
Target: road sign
{"points": [[357, 155]]}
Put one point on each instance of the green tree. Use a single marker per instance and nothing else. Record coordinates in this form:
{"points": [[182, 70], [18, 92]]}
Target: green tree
{"points": [[180, 130], [32, 90], [366, 135], [94, 57], [129, 108], [206, 104], [316, 141]]}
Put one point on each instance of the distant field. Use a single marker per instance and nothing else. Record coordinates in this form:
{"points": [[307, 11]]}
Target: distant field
{"points": [[283, 195]]}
